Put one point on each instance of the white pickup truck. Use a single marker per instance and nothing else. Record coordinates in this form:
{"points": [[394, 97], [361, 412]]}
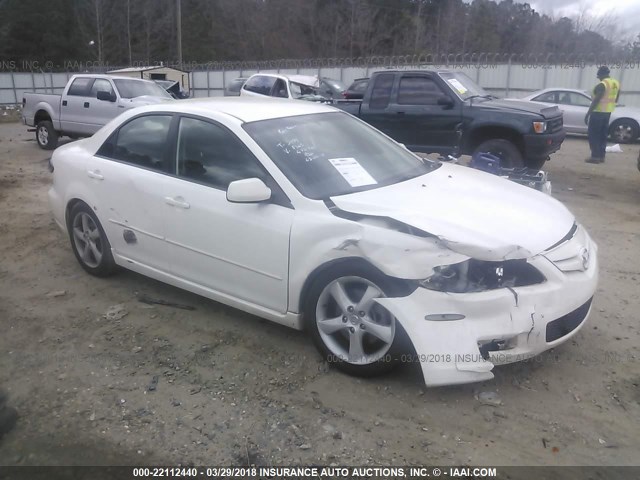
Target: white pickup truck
{"points": [[87, 103]]}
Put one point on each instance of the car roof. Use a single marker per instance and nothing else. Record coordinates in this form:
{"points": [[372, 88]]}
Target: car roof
{"points": [[560, 89], [112, 77], [309, 80], [245, 109]]}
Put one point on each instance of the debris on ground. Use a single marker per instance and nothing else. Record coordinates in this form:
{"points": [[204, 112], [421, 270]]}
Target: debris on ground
{"points": [[489, 398], [56, 293], [116, 312], [613, 148], [158, 301], [153, 385]]}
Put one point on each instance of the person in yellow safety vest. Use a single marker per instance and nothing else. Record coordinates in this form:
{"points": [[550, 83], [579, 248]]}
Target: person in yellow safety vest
{"points": [[605, 97]]}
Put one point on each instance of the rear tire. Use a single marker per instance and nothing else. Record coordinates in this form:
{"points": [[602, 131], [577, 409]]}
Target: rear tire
{"points": [[355, 334], [89, 242], [624, 130], [506, 151], [46, 135]]}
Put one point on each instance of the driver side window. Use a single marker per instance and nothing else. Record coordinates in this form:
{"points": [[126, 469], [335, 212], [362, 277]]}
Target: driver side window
{"points": [[101, 85], [213, 156]]}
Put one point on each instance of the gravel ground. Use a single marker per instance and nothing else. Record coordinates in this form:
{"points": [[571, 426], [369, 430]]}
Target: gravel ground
{"points": [[235, 389]]}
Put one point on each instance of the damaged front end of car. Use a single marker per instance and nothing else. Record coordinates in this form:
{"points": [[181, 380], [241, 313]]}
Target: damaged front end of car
{"points": [[477, 307], [468, 317]]}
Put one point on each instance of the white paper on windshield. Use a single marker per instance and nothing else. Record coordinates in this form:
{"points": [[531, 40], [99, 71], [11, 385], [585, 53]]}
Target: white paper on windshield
{"points": [[352, 172], [455, 83]]}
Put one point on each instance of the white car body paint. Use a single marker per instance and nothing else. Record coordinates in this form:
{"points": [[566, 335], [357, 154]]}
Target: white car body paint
{"points": [[466, 214]]}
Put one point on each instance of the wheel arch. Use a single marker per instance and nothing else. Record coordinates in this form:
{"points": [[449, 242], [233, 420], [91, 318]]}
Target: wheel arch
{"points": [[41, 116], [401, 287], [483, 133], [67, 210]]}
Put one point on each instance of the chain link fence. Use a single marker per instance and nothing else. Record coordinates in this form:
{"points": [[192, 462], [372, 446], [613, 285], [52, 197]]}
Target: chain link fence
{"points": [[502, 74]]}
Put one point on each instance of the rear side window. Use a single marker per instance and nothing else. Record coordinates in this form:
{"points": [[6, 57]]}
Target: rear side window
{"points": [[381, 92], [418, 91], [141, 142], [260, 84], [546, 98], [80, 87]]}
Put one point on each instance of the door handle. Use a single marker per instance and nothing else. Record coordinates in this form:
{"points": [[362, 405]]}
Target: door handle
{"points": [[86, 104], [64, 103], [400, 113], [176, 202], [95, 174]]}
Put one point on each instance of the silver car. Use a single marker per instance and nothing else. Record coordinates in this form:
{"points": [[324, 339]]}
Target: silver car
{"points": [[624, 126]]}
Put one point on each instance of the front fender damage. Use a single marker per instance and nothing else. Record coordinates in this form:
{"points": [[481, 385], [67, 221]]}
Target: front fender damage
{"points": [[449, 352], [395, 253]]}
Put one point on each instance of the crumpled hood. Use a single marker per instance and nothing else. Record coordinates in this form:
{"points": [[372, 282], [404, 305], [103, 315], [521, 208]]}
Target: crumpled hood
{"points": [[474, 213]]}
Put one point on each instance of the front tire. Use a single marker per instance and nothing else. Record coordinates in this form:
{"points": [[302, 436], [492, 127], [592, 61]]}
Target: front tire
{"points": [[89, 242], [624, 131], [46, 135], [350, 329], [506, 151]]}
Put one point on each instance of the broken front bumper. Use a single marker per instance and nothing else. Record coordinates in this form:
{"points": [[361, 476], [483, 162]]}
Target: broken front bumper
{"points": [[476, 331]]}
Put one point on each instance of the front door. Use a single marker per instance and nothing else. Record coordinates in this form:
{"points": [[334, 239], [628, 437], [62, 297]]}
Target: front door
{"points": [[234, 249], [426, 125], [101, 112]]}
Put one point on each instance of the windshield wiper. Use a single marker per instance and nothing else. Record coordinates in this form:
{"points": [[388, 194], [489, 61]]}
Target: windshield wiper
{"points": [[480, 96]]}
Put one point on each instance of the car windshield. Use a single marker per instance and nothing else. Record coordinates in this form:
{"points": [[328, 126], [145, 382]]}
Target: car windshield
{"points": [[463, 86], [137, 88], [330, 154]]}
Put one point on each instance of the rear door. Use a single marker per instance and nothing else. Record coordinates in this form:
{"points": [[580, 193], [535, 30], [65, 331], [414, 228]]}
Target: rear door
{"points": [[574, 107], [129, 177]]}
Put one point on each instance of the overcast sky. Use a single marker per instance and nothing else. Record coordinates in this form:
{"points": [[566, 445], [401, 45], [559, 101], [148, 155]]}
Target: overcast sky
{"points": [[627, 11]]}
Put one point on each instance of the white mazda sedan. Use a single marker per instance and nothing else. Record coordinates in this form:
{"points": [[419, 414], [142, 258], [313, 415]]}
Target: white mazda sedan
{"points": [[306, 216]]}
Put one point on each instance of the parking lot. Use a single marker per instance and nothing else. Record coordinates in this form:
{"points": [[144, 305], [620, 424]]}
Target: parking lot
{"points": [[235, 389]]}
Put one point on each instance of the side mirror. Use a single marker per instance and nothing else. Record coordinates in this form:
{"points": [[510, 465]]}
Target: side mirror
{"points": [[445, 101], [106, 96], [249, 190]]}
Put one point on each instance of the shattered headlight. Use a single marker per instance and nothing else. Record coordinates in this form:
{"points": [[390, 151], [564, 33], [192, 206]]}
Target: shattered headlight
{"points": [[477, 275]]}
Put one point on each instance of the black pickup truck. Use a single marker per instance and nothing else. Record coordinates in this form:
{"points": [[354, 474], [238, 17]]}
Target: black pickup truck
{"points": [[446, 112]]}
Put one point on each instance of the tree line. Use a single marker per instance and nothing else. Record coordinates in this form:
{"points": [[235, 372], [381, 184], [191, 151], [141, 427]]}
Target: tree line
{"points": [[123, 32]]}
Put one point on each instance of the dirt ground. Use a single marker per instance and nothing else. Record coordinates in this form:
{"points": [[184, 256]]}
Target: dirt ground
{"points": [[235, 389]]}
